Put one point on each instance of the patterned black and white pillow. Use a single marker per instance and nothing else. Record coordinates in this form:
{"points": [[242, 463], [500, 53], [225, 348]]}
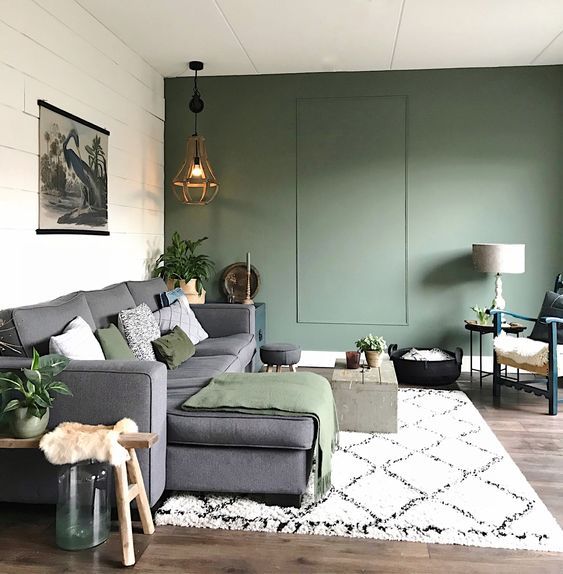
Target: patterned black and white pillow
{"points": [[139, 328], [180, 314]]}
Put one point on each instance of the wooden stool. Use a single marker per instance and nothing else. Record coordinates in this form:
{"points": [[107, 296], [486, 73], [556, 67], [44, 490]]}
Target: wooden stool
{"points": [[129, 486], [279, 355]]}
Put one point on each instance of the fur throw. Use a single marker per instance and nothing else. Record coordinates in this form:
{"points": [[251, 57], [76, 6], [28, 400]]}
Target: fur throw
{"points": [[73, 442], [524, 350]]}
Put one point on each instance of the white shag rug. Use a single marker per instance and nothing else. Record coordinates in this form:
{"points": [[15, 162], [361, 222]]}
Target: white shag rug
{"points": [[443, 478]]}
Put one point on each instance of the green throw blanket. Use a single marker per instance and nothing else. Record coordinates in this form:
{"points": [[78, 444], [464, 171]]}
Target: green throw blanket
{"points": [[278, 393]]}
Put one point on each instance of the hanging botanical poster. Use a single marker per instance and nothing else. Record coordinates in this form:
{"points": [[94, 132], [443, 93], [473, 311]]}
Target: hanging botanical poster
{"points": [[73, 180]]}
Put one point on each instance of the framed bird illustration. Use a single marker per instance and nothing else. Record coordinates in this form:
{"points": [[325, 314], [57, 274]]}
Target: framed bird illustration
{"points": [[73, 179]]}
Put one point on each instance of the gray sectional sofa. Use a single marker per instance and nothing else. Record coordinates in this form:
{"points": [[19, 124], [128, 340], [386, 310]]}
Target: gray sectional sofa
{"points": [[210, 452]]}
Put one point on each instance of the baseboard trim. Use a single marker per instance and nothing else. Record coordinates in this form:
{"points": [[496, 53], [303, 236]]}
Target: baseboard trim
{"points": [[326, 359]]}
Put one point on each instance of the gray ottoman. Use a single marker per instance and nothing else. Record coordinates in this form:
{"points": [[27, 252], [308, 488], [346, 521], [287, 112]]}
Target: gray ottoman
{"points": [[280, 354]]}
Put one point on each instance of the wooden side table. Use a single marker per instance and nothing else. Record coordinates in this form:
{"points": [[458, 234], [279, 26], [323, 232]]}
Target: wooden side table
{"points": [[129, 485], [474, 327]]}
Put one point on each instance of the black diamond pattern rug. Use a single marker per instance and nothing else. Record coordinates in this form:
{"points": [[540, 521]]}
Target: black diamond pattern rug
{"points": [[443, 478]]}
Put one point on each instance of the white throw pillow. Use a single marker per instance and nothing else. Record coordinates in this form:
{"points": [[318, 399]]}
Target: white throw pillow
{"points": [[139, 329], [77, 341], [182, 315]]}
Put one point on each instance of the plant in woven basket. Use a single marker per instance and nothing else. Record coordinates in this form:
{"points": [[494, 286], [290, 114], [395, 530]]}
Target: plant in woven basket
{"points": [[179, 262], [373, 348], [371, 343], [31, 393]]}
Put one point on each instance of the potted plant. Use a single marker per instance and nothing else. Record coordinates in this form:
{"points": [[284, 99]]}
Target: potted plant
{"points": [[483, 318], [180, 267], [373, 348], [29, 412]]}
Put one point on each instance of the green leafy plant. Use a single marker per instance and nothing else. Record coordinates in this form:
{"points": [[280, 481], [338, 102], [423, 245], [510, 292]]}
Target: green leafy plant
{"points": [[36, 385], [180, 262], [371, 343], [483, 318]]}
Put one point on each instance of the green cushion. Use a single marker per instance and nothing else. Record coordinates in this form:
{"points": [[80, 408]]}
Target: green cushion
{"points": [[174, 348], [114, 344]]}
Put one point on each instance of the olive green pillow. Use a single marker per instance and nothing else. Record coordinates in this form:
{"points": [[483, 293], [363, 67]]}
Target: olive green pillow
{"points": [[174, 348], [114, 344]]}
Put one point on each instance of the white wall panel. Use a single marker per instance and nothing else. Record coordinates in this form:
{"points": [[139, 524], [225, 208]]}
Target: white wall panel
{"points": [[19, 131], [59, 52], [18, 169], [77, 18], [12, 92]]}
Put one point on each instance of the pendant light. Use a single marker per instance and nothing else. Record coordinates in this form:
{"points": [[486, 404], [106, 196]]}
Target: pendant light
{"points": [[195, 182]]}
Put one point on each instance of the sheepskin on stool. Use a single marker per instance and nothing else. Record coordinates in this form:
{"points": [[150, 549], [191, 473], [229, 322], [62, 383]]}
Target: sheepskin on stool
{"points": [[73, 442]]}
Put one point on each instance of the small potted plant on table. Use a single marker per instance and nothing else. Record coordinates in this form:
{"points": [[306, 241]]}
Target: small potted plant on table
{"points": [[483, 318], [373, 348], [180, 267], [29, 412]]}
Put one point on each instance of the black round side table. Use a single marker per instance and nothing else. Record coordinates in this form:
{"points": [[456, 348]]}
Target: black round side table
{"points": [[474, 327]]}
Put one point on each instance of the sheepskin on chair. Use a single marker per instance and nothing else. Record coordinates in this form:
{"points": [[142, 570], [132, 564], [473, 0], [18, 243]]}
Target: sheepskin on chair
{"points": [[523, 350], [73, 442]]}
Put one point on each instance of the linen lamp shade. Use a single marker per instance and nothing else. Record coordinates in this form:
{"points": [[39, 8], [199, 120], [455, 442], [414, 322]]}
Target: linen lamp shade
{"points": [[499, 257]]}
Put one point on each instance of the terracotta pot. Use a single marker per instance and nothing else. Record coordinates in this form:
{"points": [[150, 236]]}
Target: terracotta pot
{"points": [[25, 425], [374, 358], [190, 290]]}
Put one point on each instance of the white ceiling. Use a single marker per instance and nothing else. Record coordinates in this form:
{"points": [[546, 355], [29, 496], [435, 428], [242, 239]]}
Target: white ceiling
{"points": [[237, 37]]}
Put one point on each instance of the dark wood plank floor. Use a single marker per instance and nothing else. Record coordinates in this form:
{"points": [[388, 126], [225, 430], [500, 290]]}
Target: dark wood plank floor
{"points": [[533, 439]]}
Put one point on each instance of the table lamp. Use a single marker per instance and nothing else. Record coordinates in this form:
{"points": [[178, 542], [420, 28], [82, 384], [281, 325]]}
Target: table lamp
{"points": [[499, 258]]}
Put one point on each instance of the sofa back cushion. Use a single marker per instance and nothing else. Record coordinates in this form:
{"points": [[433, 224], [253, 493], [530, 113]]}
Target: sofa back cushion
{"points": [[105, 304], [147, 291], [552, 306], [36, 324]]}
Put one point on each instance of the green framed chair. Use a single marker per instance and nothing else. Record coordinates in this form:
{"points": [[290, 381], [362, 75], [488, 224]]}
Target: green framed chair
{"points": [[547, 376]]}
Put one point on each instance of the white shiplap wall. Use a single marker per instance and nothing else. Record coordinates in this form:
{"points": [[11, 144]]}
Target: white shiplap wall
{"points": [[55, 50]]}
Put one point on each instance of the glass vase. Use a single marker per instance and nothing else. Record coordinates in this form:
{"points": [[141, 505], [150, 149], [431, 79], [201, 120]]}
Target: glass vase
{"points": [[83, 507]]}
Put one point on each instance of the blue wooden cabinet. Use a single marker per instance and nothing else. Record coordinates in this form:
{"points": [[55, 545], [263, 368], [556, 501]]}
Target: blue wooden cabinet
{"points": [[260, 331]]}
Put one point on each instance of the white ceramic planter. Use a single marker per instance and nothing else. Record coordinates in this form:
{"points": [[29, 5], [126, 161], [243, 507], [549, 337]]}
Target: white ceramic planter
{"points": [[24, 425]]}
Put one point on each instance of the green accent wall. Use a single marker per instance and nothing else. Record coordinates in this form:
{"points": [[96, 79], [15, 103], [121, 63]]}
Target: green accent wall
{"points": [[480, 152]]}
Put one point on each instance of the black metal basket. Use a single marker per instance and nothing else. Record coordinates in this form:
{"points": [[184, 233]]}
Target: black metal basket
{"points": [[425, 373]]}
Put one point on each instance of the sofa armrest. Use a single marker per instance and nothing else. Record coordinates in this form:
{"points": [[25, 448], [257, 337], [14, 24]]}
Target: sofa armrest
{"points": [[106, 391], [223, 319]]}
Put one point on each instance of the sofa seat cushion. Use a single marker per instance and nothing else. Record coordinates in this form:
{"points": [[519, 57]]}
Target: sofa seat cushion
{"points": [[205, 367], [36, 324], [242, 345], [237, 429]]}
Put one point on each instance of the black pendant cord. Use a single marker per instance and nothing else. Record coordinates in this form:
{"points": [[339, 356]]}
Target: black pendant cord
{"points": [[196, 94]]}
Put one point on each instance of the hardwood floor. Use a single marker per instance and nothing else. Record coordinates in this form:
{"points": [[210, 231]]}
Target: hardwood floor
{"points": [[533, 439]]}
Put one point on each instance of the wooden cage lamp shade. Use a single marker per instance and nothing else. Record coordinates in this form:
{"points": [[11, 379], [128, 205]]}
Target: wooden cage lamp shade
{"points": [[195, 182]]}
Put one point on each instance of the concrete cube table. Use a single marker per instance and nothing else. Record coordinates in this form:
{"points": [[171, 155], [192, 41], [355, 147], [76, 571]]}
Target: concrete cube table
{"points": [[366, 399]]}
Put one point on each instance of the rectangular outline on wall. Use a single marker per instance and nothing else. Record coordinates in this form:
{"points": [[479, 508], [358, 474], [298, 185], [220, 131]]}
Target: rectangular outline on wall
{"points": [[406, 108]]}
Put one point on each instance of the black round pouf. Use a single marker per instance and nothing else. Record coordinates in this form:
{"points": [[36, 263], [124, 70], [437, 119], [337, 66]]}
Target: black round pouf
{"points": [[280, 354]]}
